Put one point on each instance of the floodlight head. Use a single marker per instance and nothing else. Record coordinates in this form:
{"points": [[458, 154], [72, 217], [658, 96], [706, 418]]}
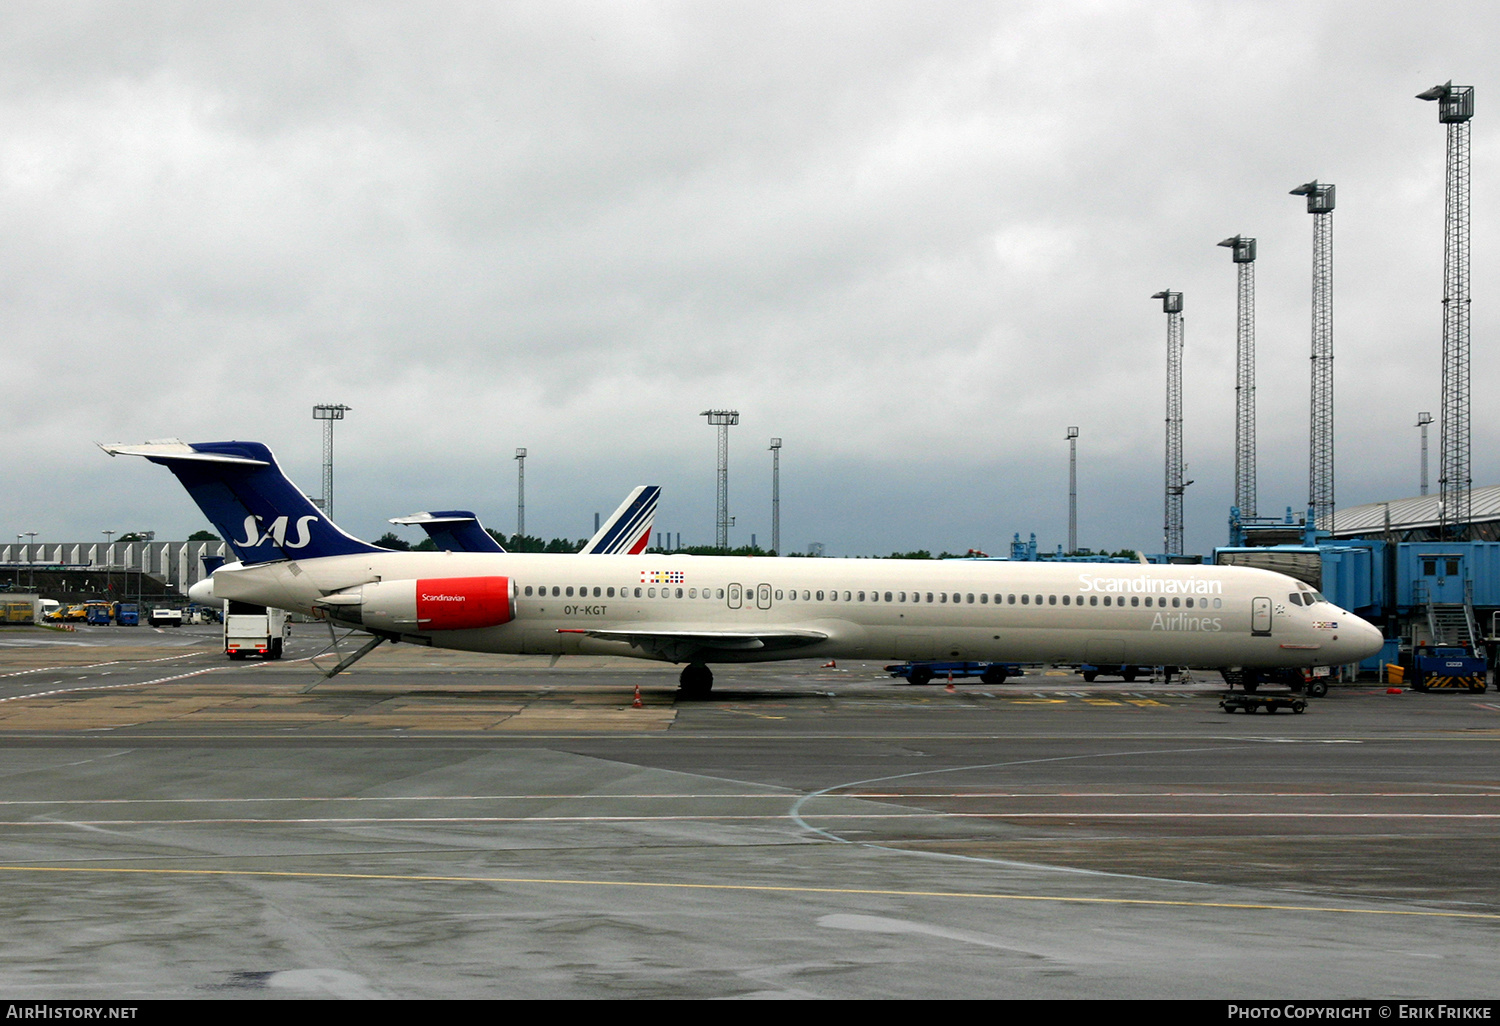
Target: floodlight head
{"points": [[1244, 249], [1424, 418], [1072, 433], [720, 418], [1319, 196], [1171, 302], [1455, 103], [776, 443], [520, 454], [329, 412]]}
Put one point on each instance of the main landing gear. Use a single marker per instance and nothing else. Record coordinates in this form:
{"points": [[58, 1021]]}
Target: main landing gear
{"points": [[696, 680]]}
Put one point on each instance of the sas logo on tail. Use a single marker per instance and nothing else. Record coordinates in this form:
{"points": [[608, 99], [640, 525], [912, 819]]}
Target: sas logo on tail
{"points": [[275, 533]]}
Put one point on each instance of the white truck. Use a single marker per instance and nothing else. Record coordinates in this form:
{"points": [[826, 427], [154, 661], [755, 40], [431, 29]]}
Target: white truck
{"points": [[164, 617], [255, 630]]}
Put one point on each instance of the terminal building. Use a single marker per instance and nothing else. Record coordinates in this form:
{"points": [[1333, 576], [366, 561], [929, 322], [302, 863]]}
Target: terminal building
{"points": [[79, 571], [1389, 563]]}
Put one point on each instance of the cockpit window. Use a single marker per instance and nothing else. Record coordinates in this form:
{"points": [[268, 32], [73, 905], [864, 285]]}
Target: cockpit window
{"points": [[1295, 598]]}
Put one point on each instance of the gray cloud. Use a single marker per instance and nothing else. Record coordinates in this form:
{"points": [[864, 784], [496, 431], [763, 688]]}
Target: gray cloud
{"points": [[916, 241]]}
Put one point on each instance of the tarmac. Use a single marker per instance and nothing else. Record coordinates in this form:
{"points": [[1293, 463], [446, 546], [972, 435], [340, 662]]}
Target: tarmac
{"points": [[445, 825]]}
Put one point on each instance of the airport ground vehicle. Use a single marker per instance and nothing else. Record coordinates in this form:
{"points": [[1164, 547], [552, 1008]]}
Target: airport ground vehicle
{"points": [[76, 613], [161, 616], [699, 610], [17, 609], [127, 614], [1444, 667], [255, 630], [1128, 674], [1241, 702], [926, 673], [98, 614]]}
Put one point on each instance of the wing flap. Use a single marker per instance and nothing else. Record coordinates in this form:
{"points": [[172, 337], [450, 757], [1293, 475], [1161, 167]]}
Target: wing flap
{"points": [[680, 644]]}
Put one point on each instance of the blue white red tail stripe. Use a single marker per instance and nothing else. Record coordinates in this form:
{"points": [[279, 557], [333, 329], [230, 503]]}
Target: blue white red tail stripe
{"points": [[629, 529]]}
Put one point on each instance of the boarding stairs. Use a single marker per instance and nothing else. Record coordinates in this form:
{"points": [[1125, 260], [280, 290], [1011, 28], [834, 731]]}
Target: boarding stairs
{"points": [[1453, 623]]}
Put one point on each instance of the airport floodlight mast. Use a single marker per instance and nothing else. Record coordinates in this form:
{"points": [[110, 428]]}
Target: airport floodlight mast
{"points": [[1423, 419], [1072, 490], [723, 420], [31, 559], [1243, 251], [328, 414], [776, 496], [1455, 108], [520, 459], [1171, 304], [1320, 448]]}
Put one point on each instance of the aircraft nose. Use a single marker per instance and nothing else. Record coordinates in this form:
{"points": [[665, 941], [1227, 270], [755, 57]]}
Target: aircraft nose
{"points": [[1364, 638]]}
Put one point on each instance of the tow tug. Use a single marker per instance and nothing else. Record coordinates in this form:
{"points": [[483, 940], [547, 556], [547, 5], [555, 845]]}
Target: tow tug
{"points": [[925, 673]]}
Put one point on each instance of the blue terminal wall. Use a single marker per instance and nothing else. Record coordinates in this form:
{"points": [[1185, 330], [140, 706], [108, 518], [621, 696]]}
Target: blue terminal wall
{"points": [[1380, 579], [1352, 574], [1424, 569]]}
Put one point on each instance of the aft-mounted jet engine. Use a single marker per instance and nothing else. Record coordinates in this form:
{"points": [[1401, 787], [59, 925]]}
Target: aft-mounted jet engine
{"points": [[434, 604]]}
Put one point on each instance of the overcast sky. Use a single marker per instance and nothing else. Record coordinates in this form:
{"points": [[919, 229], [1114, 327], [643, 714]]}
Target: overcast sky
{"points": [[916, 241]]}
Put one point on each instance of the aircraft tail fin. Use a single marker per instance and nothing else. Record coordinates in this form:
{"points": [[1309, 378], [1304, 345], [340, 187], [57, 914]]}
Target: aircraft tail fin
{"points": [[454, 530], [242, 491], [628, 530]]}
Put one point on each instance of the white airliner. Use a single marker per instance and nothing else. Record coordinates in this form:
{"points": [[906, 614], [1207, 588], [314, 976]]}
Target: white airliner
{"points": [[699, 610]]}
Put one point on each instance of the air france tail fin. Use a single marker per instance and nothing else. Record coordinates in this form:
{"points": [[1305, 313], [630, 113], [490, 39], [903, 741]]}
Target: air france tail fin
{"points": [[242, 491], [628, 529], [454, 530]]}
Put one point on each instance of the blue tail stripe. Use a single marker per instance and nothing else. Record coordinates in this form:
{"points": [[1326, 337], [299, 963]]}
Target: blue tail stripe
{"points": [[627, 526], [640, 520]]}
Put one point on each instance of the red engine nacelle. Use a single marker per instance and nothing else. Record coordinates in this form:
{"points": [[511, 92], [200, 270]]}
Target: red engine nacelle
{"points": [[437, 604]]}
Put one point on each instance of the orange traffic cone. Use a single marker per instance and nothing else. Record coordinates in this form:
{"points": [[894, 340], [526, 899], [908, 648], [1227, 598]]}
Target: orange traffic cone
{"points": [[637, 703], [832, 664], [950, 689]]}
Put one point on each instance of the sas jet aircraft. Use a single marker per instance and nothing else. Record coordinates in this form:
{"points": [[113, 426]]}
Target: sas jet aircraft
{"points": [[698, 610]]}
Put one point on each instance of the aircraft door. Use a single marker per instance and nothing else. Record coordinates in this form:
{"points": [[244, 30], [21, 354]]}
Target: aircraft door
{"points": [[1260, 617], [736, 596], [763, 597]]}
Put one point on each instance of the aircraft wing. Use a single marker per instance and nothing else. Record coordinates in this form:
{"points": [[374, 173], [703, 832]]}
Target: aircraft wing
{"points": [[628, 529], [679, 644]]}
